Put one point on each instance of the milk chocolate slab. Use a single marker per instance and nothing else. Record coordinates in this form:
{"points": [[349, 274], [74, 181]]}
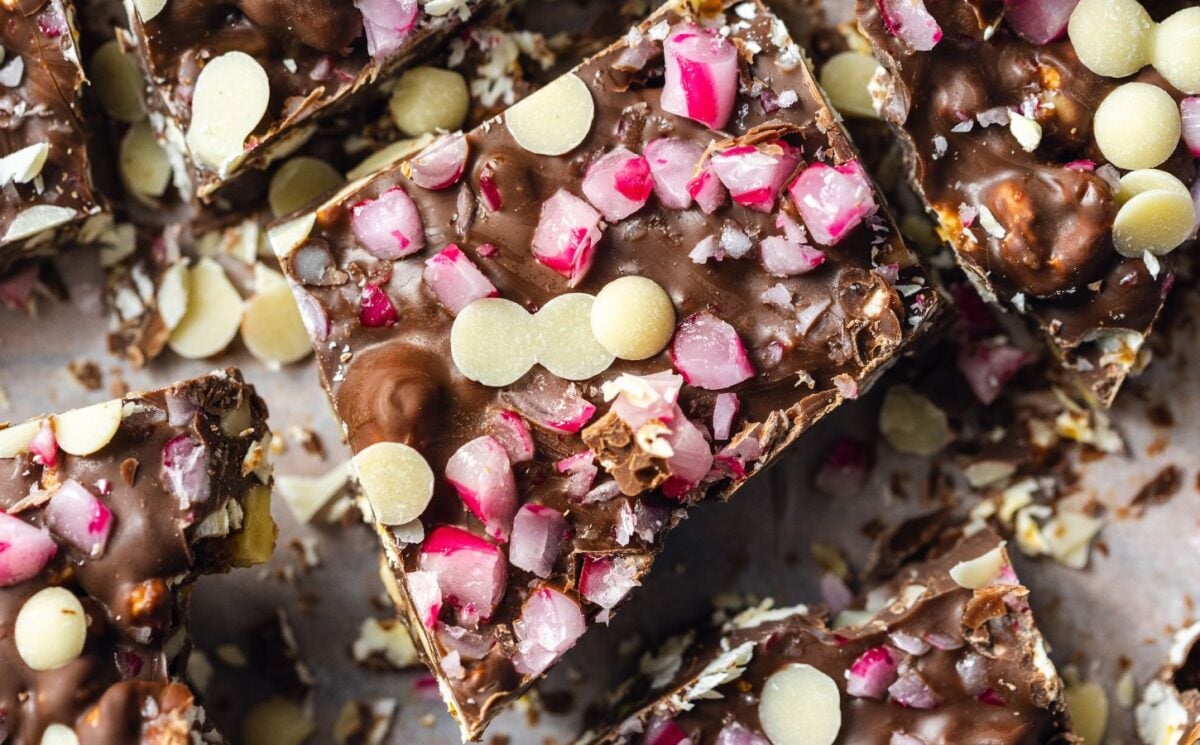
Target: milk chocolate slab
{"points": [[1031, 221], [45, 179], [169, 485], [286, 64], [408, 396], [925, 660]]}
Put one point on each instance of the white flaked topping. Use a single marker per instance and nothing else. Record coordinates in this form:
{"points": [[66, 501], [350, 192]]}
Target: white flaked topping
{"points": [[1161, 718], [800, 705], [568, 346], [633, 318], [980, 571], [846, 77], [427, 100], [143, 163], [84, 431], [555, 119], [214, 313], [15, 440], [306, 496], [1176, 50], [1137, 126], [298, 181], [59, 734], [37, 219], [494, 342], [229, 101], [1111, 37], [147, 9], [50, 629], [272, 327], [1156, 221], [396, 480], [24, 165], [118, 83]]}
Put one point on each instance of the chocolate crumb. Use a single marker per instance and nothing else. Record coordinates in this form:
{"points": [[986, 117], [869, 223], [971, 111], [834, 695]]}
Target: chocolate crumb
{"points": [[86, 373], [1158, 490], [128, 470]]}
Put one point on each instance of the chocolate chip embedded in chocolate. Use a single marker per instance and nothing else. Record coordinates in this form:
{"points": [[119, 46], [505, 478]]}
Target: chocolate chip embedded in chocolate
{"points": [[1137, 125], [50, 629]]}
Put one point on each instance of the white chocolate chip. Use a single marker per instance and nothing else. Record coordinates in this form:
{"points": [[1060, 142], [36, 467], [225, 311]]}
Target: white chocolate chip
{"points": [[555, 119], [1111, 37], [846, 77], [286, 236], [213, 315], [84, 431], [147, 9], [1137, 126], [393, 153], [494, 342], [272, 328], [800, 705], [24, 165], [143, 163], [38, 219], [633, 318], [15, 440], [396, 480], [1176, 50], [59, 734], [568, 349], [1088, 704], [1157, 221], [428, 99], [118, 83], [51, 629], [230, 99], [980, 571], [1148, 179], [277, 721], [298, 181]]}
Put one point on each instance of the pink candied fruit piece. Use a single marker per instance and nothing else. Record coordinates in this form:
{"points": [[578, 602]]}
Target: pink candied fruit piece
{"points": [[389, 226], [483, 477], [44, 445], [707, 190], [456, 280], [387, 24], [471, 572], [673, 162], [550, 624], [833, 200], [489, 192], [910, 21], [691, 459], [912, 692], [566, 236], [662, 731], [783, 258], [511, 431], [1189, 109], [872, 673], [988, 366], [709, 354], [537, 534], [618, 184], [645, 398], [375, 308], [581, 471], [606, 580], [725, 410], [79, 518], [441, 164], [1039, 21], [564, 411], [185, 470], [735, 734], [701, 79], [426, 596], [24, 550], [754, 175]]}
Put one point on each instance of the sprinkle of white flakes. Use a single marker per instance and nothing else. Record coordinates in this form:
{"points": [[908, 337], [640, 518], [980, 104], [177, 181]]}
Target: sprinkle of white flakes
{"points": [[939, 147], [778, 296], [963, 126], [1018, 301], [788, 99], [753, 46], [967, 214], [998, 115], [659, 31], [1152, 264], [746, 11], [290, 65], [990, 223]]}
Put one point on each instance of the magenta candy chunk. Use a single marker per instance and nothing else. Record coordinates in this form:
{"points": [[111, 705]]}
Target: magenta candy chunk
{"points": [[1039, 21], [989, 366], [709, 354], [387, 23], [537, 533], [376, 309], [910, 21], [618, 184], [735, 734], [754, 175], [456, 280], [833, 200], [24, 550], [511, 431], [559, 410], [470, 571], [701, 75], [80, 518], [550, 624], [872, 673], [482, 475], [440, 165], [673, 164], [567, 232], [389, 226], [692, 459], [185, 470]]}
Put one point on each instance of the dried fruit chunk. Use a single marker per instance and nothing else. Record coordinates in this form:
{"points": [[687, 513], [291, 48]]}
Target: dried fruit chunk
{"points": [[1111, 37], [145, 168], [494, 342], [568, 347], [980, 571], [396, 480], [701, 78], [1176, 50], [15, 440], [427, 99], [50, 629], [272, 328], [84, 431], [299, 181], [229, 101], [1157, 221], [555, 119], [846, 77], [213, 316], [800, 705], [633, 318], [1137, 126], [118, 83]]}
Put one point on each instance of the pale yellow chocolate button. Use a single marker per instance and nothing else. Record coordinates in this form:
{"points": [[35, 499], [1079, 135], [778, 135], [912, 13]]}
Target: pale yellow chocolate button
{"points": [[84, 431], [118, 83], [494, 342], [555, 119], [396, 480], [1176, 47], [1111, 37], [429, 99], [51, 629], [1137, 126], [213, 316], [633, 317], [298, 181], [272, 328], [846, 77], [229, 100], [568, 347], [1155, 221], [800, 705], [1148, 179]]}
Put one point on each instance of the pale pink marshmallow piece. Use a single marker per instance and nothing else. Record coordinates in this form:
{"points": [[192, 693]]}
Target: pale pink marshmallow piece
{"points": [[709, 354], [755, 174], [389, 226], [24, 550], [471, 572], [833, 200], [550, 624], [537, 533]]}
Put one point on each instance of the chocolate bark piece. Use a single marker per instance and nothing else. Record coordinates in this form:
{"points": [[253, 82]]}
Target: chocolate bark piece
{"points": [[924, 660], [45, 178], [383, 337], [290, 63], [1031, 222], [1169, 711], [175, 485]]}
